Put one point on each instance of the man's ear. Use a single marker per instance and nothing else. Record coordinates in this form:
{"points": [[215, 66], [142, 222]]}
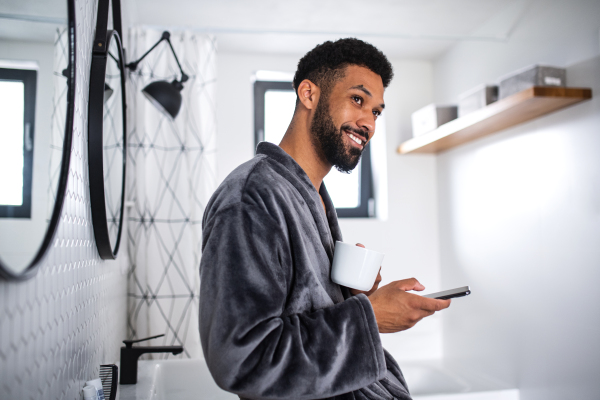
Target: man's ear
{"points": [[308, 93]]}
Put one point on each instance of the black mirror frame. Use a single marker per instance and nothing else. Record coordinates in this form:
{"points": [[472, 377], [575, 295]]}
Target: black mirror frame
{"points": [[96, 147], [69, 73]]}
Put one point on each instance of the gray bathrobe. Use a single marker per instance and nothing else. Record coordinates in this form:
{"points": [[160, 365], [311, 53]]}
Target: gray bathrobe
{"points": [[272, 323]]}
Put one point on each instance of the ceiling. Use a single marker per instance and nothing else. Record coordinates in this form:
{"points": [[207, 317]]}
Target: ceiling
{"points": [[31, 20], [416, 29]]}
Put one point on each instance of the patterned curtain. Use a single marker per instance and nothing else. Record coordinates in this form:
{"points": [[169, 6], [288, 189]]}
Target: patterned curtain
{"points": [[171, 176]]}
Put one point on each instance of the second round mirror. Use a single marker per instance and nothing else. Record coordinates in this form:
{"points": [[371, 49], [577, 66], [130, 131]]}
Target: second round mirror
{"points": [[106, 146]]}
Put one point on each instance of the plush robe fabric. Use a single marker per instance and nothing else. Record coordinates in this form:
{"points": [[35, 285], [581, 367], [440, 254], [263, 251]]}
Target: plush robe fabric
{"points": [[273, 325]]}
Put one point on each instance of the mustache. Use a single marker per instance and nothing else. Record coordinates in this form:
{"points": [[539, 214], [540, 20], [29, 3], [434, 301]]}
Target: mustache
{"points": [[363, 133]]}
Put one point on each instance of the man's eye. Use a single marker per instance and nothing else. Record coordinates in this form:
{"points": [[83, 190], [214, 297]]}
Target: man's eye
{"points": [[357, 99], [376, 113]]}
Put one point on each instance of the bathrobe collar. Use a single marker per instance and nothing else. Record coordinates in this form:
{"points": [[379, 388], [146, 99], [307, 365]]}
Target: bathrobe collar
{"points": [[327, 222]]}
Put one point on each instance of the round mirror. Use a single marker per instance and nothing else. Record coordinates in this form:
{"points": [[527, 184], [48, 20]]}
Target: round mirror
{"points": [[106, 143], [37, 82]]}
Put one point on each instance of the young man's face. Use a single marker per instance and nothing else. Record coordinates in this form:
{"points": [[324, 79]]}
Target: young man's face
{"points": [[345, 118]]}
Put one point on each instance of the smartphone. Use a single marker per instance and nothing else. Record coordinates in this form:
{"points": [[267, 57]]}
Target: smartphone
{"points": [[450, 294]]}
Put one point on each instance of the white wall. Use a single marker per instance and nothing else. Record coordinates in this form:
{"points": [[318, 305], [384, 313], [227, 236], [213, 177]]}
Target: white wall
{"points": [[520, 216], [409, 236]]}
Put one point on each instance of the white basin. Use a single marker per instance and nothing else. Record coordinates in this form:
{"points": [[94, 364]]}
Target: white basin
{"points": [[186, 380], [191, 380], [173, 380], [435, 380], [428, 380]]}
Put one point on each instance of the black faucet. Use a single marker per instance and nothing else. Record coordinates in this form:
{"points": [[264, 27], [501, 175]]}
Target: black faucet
{"points": [[130, 355]]}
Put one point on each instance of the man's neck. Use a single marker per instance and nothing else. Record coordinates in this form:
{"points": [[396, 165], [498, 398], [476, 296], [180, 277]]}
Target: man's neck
{"points": [[297, 143]]}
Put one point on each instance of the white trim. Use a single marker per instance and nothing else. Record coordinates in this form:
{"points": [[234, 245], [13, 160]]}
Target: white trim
{"points": [[394, 35], [18, 64], [273, 76], [379, 169]]}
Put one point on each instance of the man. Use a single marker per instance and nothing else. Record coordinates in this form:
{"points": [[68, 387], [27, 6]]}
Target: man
{"points": [[272, 323]]}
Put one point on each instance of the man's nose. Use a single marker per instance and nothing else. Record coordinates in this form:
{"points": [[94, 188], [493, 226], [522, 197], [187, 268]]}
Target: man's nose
{"points": [[367, 122]]}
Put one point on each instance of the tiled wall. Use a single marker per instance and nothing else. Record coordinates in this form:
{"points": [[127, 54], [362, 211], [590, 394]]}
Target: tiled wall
{"points": [[58, 327]]}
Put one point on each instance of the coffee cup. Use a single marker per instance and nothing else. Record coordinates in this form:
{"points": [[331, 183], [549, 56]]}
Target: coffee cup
{"points": [[355, 267]]}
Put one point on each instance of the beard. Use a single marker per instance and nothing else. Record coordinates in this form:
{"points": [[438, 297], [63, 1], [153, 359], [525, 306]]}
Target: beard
{"points": [[329, 140]]}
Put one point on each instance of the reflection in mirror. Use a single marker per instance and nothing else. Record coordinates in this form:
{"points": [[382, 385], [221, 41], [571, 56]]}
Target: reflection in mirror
{"points": [[112, 138], [35, 52]]}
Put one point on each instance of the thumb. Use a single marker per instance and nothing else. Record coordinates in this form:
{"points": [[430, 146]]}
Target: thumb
{"points": [[409, 284], [361, 245]]}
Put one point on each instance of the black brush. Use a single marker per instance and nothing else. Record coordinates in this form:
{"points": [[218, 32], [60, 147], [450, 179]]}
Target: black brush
{"points": [[108, 376]]}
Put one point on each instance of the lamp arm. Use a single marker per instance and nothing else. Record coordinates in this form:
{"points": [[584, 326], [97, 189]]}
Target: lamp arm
{"points": [[184, 77], [133, 65], [165, 36]]}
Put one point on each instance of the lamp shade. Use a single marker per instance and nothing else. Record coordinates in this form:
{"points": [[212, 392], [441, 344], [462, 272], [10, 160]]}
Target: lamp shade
{"points": [[165, 96]]}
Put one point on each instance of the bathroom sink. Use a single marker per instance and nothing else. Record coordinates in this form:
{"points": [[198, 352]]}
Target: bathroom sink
{"points": [[173, 380], [427, 380], [191, 380], [437, 380], [173, 375]]}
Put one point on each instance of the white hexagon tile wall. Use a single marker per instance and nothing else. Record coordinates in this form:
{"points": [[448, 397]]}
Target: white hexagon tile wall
{"points": [[58, 327]]}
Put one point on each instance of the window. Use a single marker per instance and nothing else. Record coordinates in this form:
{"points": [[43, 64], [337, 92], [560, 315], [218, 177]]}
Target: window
{"points": [[274, 103], [17, 113]]}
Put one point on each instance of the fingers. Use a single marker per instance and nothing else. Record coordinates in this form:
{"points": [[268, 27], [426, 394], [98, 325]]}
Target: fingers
{"points": [[409, 284], [425, 307], [376, 284], [433, 305], [396, 309], [378, 279], [361, 245], [444, 304]]}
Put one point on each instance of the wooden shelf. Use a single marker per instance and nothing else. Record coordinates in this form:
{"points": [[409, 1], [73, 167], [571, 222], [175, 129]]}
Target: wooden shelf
{"points": [[513, 110]]}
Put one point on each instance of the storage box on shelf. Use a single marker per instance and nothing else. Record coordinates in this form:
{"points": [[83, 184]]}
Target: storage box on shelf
{"points": [[430, 117], [535, 75], [513, 110], [476, 98]]}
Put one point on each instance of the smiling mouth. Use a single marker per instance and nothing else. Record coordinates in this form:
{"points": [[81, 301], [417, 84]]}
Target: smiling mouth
{"points": [[355, 138]]}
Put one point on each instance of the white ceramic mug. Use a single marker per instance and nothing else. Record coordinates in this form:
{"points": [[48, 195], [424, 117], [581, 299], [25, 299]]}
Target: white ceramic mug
{"points": [[355, 267]]}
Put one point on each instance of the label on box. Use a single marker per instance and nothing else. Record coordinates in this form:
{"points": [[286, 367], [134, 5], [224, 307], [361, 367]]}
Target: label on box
{"points": [[552, 81]]}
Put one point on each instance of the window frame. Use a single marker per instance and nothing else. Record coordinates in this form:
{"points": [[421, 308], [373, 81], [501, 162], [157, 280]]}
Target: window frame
{"points": [[366, 208], [29, 79]]}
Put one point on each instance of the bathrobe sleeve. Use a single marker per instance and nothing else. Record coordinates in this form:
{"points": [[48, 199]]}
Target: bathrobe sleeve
{"points": [[250, 348]]}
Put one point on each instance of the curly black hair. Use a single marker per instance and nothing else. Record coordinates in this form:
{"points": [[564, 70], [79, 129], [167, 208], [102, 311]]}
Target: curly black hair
{"points": [[325, 64]]}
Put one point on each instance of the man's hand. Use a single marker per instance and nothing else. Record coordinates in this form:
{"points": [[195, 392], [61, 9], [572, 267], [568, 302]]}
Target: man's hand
{"points": [[395, 310], [375, 286]]}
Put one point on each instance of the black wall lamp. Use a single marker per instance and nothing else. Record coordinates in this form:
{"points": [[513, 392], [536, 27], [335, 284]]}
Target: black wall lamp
{"points": [[164, 95]]}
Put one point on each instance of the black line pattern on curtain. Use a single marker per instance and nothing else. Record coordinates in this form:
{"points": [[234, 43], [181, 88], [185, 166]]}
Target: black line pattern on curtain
{"points": [[171, 176]]}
